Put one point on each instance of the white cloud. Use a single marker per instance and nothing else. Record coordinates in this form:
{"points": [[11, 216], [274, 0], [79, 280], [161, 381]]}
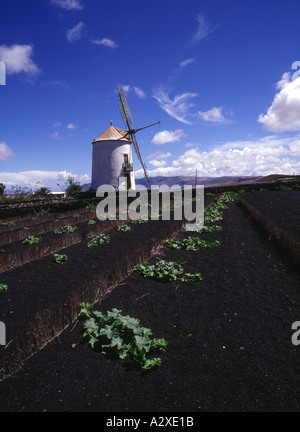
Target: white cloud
{"points": [[203, 30], [57, 124], [139, 92], [105, 42], [159, 155], [68, 4], [284, 113], [55, 135], [5, 151], [18, 58], [257, 157], [214, 115], [75, 33], [157, 163], [72, 126], [45, 178], [177, 108], [165, 137], [186, 62]]}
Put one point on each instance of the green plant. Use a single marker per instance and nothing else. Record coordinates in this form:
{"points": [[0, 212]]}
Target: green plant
{"points": [[91, 206], [281, 188], [26, 228], [191, 244], [32, 240], [8, 223], [99, 240], [166, 271], [92, 222], [124, 336], [59, 259], [139, 221], [3, 288], [76, 216], [2, 188], [207, 229], [215, 212], [42, 192], [66, 229], [124, 228], [72, 188], [41, 212]]}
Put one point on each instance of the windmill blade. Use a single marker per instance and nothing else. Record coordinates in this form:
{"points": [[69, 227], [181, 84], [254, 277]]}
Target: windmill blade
{"points": [[125, 112], [136, 148]]}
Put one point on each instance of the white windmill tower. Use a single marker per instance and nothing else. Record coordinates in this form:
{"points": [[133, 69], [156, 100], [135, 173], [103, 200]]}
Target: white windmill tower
{"points": [[112, 154]]}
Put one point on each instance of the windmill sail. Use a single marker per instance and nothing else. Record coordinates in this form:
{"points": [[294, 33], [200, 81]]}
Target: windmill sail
{"points": [[125, 112]]}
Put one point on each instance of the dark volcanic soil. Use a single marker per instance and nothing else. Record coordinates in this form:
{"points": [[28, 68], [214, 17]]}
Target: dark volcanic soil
{"points": [[229, 338], [281, 209]]}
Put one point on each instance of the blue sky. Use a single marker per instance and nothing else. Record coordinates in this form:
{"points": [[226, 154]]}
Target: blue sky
{"points": [[222, 77]]}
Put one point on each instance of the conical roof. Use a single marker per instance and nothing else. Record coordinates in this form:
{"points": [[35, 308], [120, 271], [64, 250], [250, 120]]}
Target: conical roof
{"points": [[113, 134]]}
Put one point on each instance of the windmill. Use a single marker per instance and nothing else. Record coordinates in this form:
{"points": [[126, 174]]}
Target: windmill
{"points": [[112, 153], [125, 112]]}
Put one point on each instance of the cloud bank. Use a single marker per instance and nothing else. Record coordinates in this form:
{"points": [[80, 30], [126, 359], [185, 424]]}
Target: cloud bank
{"points": [[267, 155], [284, 112]]}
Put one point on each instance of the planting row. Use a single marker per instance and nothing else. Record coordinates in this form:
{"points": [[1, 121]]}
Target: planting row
{"points": [[278, 214]]}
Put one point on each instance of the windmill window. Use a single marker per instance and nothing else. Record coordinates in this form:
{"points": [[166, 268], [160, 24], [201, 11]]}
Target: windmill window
{"points": [[126, 159]]}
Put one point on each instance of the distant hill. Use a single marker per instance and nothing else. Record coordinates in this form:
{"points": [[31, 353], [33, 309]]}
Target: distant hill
{"points": [[206, 181], [188, 180], [274, 177]]}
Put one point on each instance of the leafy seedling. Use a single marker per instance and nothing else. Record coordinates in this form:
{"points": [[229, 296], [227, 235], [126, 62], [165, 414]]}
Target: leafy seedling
{"points": [[59, 259], [166, 271], [66, 229], [191, 244], [99, 240], [3, 288], [124, 228], [31, 240], [114, 334]]}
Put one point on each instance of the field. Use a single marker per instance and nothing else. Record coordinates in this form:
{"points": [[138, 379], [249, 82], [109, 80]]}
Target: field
{"points": [[229, 334]]}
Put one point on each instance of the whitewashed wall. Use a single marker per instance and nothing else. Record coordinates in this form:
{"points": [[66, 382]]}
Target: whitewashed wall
{"points": [[108, 159]]}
